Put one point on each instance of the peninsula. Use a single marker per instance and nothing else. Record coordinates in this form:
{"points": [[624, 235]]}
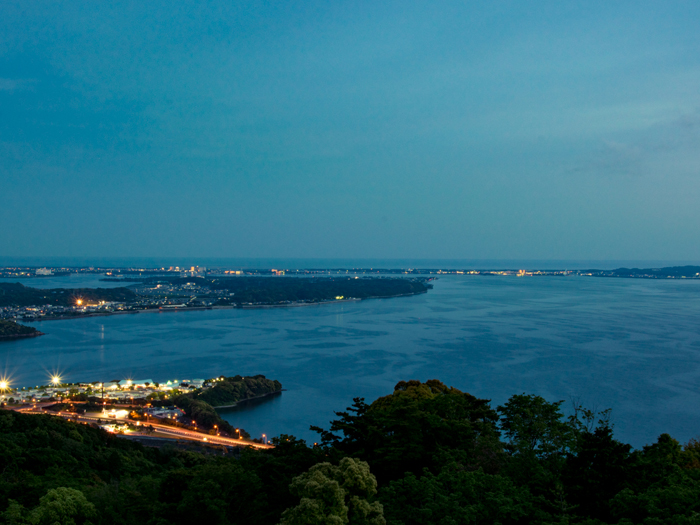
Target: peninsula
{"points": [[169, 293], [12, 330], [197, 288]]}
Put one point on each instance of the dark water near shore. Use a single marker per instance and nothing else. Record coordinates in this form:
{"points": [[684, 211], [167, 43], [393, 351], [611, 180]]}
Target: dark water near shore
{"points": [[632, 345]]}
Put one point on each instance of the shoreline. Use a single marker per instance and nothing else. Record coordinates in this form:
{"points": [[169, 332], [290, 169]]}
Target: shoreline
{"points": [[298, 304], [20, 336], [243, 401], [220, 307]]}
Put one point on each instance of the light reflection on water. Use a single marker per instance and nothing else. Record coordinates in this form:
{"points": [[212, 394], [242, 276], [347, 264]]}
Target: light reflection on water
{"points": [[633, 345]]}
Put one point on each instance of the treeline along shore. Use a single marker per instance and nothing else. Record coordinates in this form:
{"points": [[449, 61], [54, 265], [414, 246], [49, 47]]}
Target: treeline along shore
{"points": [[424, 454]]}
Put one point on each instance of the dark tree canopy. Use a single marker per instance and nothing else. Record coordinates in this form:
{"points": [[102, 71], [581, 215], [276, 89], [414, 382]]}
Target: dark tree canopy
{"points": [[419, 425], [424, 454]]}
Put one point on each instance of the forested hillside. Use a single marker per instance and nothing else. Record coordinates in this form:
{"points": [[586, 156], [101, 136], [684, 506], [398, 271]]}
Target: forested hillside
{"points": [[278, 290], [425, 454]]}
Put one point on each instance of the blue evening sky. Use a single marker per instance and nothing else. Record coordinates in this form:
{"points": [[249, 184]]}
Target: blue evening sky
{"points": [[542, 130]]}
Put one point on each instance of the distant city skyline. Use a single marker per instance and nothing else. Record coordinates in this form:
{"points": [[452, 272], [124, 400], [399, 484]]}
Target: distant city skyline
{"points": [[547, 131]]}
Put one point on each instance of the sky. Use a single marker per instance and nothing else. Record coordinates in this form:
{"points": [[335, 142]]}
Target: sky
{"points": [[511, 130]]}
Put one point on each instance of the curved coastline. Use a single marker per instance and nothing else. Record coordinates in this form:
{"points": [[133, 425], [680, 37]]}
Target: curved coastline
{"points": [[220, 307], [20, 336], [244, 401]]}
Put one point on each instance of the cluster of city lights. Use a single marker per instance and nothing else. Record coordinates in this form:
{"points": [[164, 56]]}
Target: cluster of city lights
{"points": [[56, 380], [5, 382]]}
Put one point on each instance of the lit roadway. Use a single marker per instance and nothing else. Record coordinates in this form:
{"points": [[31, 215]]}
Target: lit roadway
{"points": [[167, 430]]}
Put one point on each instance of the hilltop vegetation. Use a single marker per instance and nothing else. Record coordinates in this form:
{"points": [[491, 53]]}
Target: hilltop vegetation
{"points": [[425, 454], [10, 329], [16, 294]]}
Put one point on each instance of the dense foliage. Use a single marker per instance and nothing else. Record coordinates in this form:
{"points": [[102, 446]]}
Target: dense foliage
{"points": [[12, 329], [200, 405], [16, 294], [425, 454], [203, 414], [230, 390]]}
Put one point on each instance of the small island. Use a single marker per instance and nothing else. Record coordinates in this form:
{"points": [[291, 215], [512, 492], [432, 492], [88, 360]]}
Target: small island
{"points": [[12, 330]]}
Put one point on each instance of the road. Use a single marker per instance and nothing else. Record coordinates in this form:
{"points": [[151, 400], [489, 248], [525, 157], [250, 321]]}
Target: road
{"points": [[166, 430]]}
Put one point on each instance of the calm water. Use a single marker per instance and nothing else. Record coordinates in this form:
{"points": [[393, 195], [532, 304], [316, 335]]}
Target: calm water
{"points": [[632, 345], [73, 280]]}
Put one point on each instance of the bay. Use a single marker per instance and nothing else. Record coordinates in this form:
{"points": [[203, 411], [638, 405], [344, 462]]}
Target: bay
{"points": [[628, 344]]}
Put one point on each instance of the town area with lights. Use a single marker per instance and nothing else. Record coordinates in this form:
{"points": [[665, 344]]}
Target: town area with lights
{"points": [[172, 409], [116, 391]]}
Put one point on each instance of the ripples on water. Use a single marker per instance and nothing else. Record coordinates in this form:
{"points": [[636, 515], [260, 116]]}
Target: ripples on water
{"points": [[633, 345]]}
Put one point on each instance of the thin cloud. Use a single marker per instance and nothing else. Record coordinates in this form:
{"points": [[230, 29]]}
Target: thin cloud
{"points": [[637, 153]]}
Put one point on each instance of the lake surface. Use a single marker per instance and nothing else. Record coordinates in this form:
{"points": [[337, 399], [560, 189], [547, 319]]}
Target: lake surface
{"points": [[628, 344]]}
